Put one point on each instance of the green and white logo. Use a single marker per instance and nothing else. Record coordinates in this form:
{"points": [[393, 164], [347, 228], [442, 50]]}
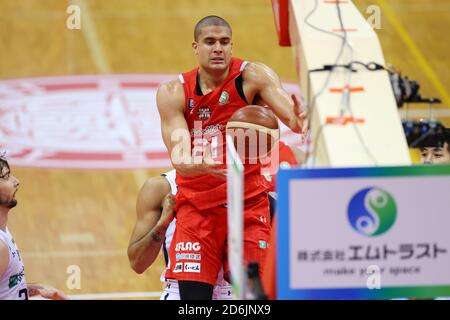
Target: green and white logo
{"points": [[16, 279], [372, 211], [224, 98]]}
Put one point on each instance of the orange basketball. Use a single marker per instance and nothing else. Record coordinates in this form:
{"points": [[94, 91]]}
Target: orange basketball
{"points": [[254, 130]]}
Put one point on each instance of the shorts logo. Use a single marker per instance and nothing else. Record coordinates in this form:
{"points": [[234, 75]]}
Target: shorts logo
{"points": [[262, 244], [192, 267], [267, 176], [178, 267], [204, 113], [188, 256], [187, 246], [16, 279]]}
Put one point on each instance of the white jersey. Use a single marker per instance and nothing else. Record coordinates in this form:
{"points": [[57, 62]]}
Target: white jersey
{"points": [[170, 177], [13, 285], [222, 289]]}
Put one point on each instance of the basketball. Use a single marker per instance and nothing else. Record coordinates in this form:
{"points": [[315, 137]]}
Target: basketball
{"points": [[254, 130]]}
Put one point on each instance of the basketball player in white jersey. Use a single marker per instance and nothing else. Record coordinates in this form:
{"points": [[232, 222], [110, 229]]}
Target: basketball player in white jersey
{"points": [[154, 229], [13, 285]]}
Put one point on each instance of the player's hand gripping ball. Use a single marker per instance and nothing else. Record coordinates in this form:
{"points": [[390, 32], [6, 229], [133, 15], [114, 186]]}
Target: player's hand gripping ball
{"points": [[255, 132]]}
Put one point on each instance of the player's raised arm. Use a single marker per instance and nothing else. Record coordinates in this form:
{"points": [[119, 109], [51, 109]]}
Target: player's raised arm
{"points": [[151, 224], [265, 83]]}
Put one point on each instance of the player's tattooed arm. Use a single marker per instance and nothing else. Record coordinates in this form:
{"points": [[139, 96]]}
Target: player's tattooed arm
{"points": [[263, 83], [151, 223]]}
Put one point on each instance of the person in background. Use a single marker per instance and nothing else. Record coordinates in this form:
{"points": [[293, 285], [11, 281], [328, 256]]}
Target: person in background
{"points": [[13, 285]]}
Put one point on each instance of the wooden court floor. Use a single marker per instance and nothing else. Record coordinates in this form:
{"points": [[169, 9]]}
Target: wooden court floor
{"points": [[85, 217]]}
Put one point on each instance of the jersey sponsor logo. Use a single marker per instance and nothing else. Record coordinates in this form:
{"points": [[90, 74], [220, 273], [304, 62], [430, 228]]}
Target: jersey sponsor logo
{"points": [[209, 130], [204, 113], [224, 97], [262, 244], [188, 256], [178, 267], [16, 279], [187, 246], [102, 121], [192, 267]]}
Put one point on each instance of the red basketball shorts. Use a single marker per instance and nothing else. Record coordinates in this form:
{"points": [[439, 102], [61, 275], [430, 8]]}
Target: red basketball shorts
{"points": [[199, 246]]}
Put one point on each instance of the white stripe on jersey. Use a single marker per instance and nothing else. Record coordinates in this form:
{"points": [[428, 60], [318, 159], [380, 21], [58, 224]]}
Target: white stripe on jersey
{"points": [[243, 65], [171, 177], [13, 285]]}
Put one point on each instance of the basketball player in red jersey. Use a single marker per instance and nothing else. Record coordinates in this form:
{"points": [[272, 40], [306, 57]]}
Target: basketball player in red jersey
{"points": [[13, 284], [194, 111]]}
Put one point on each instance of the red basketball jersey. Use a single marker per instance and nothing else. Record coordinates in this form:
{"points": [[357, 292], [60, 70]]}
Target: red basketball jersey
{"points": [[287, 155], [207, 117]]}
